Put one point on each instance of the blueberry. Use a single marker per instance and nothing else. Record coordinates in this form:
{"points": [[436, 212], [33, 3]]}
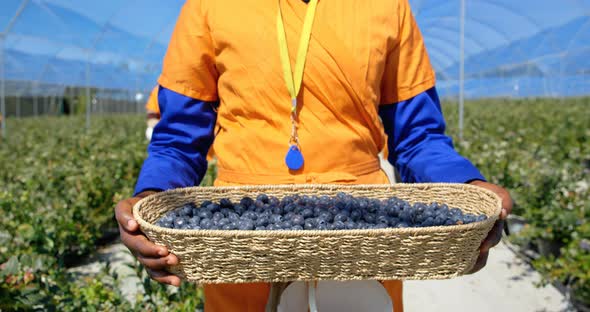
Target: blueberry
{"points": [[239, 209], [289, 208], [225, 203], [327, 216], [322, 223], [341, 196], [286, 224], [340, 217], [402, 225], [355, 215], [218, 216], [223, 222], [339, 225], [262, 221], [362, 203], [369, 218], [322, 227], [468, 219], [450, 222], [260, 228], [297, 220], [186, 210], [250, 215], [429, 212], [206, 203], [277, 210], [179, 223], [456, 211], [383, 220], [263, 198], [288, 215], [287, 200], [276, 218], [273, 201], [481, 218], [324, 202], [273, 227], [310, 224], [259, 204], [206, 223], [428, 222], [406, 215], [246, 201], [213, 207], [307, 213], [381, 226], [439, 220], [232, 216], [227, 227], [194, 222], [245, 225], [297, 228], [226, 211], [168, 218], [350, 225], [205, 214]]}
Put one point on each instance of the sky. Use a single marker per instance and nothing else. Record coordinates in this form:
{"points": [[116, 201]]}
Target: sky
{"points": [[135, 32]]}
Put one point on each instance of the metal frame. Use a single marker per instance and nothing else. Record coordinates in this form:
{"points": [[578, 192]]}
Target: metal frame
{"points": [[462, 70], [3, 36]]}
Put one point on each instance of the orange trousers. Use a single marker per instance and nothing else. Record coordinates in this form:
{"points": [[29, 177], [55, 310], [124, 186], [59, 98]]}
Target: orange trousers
{"points": [[253, 297]]}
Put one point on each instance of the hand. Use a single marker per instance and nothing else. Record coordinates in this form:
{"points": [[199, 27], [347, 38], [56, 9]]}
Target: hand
{"points": [[155, 258], [495, 234]]}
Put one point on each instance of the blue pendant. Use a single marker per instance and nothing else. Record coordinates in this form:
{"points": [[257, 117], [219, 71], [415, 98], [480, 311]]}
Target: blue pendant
{"points": [[294, 158]]}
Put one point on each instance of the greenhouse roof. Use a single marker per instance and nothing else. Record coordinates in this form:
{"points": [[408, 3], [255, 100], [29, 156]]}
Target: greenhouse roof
{"points": [[512, 48]]}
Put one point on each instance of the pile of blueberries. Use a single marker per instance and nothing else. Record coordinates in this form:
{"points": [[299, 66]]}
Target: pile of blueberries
{"points": [[341, 212]]}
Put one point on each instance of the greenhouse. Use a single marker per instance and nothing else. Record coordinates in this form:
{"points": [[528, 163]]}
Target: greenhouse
{"points": [[75, 77]]}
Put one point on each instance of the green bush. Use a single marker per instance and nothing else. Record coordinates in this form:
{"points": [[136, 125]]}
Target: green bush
{"points": [[59, 184], [539, 150]]}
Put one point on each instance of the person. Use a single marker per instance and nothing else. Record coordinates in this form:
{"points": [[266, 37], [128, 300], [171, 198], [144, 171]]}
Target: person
{"points": [[152, 113], [152, 108], [303, 92]]}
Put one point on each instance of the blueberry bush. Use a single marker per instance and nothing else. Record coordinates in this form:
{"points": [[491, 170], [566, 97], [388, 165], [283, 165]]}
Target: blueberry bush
{"points": [[539, 149], [58, 188], [58, 185]]}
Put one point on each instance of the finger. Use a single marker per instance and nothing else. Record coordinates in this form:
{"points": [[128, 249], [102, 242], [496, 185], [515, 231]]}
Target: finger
{"points": [[159, 263], [139, 244], [124, 215], [164, 277], [507, 203], [494, 237], [481, 262]]}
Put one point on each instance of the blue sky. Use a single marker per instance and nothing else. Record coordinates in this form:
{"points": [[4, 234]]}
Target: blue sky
{"points": [[135, 32]]}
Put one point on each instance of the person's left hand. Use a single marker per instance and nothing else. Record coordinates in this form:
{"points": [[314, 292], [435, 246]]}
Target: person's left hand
{"points": [[495, 234]]}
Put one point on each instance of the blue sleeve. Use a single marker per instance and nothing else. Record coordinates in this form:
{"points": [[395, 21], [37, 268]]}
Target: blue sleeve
{"points": [[177, 153], [418, 146]]}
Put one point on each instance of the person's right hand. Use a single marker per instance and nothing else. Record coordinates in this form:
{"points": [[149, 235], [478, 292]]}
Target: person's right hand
{"points": [[155, 258]]}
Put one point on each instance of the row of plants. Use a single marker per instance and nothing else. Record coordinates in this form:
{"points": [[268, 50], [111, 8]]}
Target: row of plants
{"points": [[59, 183], [540, 150]]}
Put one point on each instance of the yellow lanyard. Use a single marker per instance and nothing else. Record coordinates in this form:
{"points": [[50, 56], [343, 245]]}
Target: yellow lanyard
{"points": [[294, 80]]}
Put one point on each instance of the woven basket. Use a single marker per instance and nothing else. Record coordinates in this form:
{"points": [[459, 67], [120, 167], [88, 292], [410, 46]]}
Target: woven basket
{"points": [[217, 256]]}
